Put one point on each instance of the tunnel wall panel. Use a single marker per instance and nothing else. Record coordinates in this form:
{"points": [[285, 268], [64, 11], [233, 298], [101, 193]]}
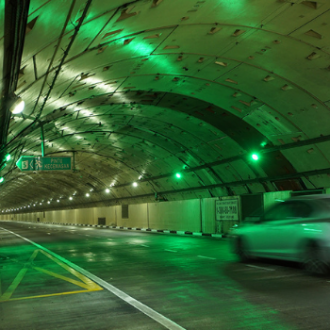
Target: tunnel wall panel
{"points": [[271, 198], [137, 216], [194, 215], [208, 215], [180, 215]]}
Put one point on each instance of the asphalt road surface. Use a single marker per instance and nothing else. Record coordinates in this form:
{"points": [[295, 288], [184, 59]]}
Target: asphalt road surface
{"points": [[62, 277]]}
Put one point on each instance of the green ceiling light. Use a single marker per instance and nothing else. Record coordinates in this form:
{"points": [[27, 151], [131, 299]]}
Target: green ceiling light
{"points": [[135, 184], [178, 175], [263, 144], [255, 156], [2, 179], [8, 157]]}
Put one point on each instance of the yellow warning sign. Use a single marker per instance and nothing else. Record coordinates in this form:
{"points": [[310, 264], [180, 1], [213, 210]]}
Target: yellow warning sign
{"points": [[80, 281]]}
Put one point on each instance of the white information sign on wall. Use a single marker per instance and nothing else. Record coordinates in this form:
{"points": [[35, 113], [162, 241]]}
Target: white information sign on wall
{"points": [[226, 209]]}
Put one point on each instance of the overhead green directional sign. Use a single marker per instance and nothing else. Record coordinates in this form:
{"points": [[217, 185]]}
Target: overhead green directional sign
{"points": [[52, 163], [26, 163]]}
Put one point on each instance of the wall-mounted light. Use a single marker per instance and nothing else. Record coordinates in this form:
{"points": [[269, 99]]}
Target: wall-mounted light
{"points": [[107, 190], [135, 184]]}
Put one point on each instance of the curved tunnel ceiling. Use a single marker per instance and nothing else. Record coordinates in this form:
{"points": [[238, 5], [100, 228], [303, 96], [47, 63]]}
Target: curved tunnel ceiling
{"points": [[137, 91]]}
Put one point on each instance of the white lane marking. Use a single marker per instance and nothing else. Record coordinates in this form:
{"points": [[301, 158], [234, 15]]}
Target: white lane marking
{"points": [[263, 268], [206, 257], [48, 233], [161, 319], [144, 245], [170, 251], [88, 235]]}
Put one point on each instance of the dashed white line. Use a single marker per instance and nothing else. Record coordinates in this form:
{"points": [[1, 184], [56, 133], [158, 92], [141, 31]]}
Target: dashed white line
{"points": [[207, 257], [263, 268]]}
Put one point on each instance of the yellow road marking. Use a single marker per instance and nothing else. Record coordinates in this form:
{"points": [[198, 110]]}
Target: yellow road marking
{"points": [[17, 280], [86, 283], [64, 278], [14, 285], [54, 294], [85, 279]]}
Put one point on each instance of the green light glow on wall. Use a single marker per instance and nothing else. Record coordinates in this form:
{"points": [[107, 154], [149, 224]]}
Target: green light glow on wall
{"points": [[8, 157], [233, 4], [2, 179], [178, 175]]}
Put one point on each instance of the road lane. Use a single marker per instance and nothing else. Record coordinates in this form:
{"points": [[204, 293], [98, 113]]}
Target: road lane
{"points": [[200, 286]]}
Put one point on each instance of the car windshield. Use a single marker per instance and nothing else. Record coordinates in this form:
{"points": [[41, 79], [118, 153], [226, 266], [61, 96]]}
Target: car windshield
{"points": [[255, 215], [289, 210]]}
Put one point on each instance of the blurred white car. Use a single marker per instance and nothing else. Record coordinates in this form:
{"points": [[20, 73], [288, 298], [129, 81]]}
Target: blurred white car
{"points": [[297, 230]]}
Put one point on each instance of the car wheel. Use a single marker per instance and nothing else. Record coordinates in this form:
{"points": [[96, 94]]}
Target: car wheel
{"points": [[313, 262], [241, 250]]}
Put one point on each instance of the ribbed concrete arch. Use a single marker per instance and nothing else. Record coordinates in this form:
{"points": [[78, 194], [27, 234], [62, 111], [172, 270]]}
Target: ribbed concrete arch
{"points": [[149, 88]]}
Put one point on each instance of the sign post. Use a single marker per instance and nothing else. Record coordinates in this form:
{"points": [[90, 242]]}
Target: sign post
{"points": [[226, 214]]}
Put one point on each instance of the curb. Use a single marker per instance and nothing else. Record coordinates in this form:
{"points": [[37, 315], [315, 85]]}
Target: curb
{"points": [[149, 230]]}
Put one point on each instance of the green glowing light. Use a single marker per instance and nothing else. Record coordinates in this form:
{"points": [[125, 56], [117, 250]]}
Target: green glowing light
{"points": [[263, 144], [178, 175], [2, 179], [8, 157], [255, 156]]}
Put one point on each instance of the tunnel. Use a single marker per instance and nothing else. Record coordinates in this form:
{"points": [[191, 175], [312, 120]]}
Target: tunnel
{"points": [[134, 136]]}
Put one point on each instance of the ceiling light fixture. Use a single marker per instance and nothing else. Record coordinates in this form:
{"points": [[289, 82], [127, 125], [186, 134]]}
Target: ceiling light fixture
{"points": [[18, 106], [255, 156]]}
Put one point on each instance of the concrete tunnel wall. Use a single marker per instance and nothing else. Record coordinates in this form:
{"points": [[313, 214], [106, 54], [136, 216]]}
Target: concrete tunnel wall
{"points": [[195, 215]]}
